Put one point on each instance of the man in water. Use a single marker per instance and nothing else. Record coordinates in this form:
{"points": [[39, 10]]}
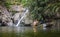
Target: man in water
{"points": [[35, 23]]}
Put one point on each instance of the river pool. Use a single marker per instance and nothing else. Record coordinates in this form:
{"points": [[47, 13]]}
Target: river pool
{"points": [[26, 32]]}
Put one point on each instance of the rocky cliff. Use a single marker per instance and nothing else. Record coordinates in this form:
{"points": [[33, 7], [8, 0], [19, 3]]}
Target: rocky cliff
{"points": [[5, 16], [12, 16]]}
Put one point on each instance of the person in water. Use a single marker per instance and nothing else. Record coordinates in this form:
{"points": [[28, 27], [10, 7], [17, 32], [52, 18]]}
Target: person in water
{"points": [[35, 23]]}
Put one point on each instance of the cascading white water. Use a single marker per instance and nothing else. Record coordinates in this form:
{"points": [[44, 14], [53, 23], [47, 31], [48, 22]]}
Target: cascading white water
{"points": [[22, 17]]}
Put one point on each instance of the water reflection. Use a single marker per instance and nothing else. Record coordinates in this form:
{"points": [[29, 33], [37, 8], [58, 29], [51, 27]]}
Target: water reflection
{"points": [[15, 29], [24, 32]]}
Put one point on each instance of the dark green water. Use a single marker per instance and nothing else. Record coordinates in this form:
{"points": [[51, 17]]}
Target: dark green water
{"points": [[26, 32]]}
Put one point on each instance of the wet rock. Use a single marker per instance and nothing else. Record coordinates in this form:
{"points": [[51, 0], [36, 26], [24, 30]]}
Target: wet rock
{"points": [[20, 11], [27, 25], [4, 24], [16, 17], [5, 16], [49, 26]]}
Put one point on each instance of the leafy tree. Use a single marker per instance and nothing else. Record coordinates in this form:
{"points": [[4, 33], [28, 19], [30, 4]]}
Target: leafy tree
{"points": [[40, 9]]}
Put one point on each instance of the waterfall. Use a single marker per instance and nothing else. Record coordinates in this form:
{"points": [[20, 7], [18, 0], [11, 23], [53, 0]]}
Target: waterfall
{"points": [[22, 17], [44, 26]]}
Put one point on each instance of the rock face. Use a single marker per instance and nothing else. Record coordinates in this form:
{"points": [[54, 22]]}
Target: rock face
{"points": [[16, 17], [20, 11], [27, 20], [5, 16], [16, 8]]}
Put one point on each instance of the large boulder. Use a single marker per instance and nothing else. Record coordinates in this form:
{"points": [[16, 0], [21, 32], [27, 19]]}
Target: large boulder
{"points": [[16, 17], [20, 10], [16, 8], [5, 16]]}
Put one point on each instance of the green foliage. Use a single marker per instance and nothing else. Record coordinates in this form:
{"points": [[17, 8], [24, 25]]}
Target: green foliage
{"points": [[7, 3], [25, 3], [40, 8]]}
